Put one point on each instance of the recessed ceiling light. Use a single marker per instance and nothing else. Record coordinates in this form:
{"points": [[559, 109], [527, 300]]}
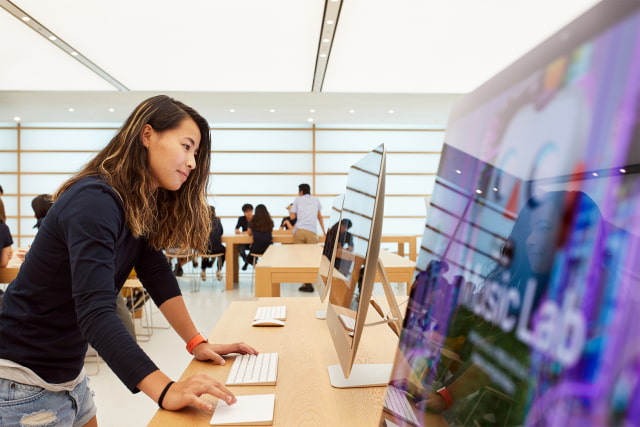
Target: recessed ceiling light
{"points": [[352, 111], [111, 110], [312, 111], [17, 119], [71, 110], [74, 53], [52, 38], [391, 111], [232, 110], [26, 19], [272, 110], [310, 119], [325, 40]]}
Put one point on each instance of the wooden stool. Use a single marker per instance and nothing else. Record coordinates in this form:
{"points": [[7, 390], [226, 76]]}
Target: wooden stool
{"points": [[218, 261], [128, 291], [253, 273]]}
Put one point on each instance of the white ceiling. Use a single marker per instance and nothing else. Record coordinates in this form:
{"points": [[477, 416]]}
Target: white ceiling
{"points": [[411, 56]]}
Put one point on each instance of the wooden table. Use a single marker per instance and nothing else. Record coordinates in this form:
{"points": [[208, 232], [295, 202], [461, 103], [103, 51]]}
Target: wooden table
{"points": [[304, 396], [231, 251], [286, 236], [300, 264], [411, 241]]}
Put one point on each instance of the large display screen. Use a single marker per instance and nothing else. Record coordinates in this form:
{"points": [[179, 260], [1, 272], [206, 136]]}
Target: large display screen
{"points": [[525, 306]]}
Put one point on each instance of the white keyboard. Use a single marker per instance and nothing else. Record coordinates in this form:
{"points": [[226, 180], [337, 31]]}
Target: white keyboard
{"points": [[274, 312], [348, 322], [397, 402], [254, 369]]}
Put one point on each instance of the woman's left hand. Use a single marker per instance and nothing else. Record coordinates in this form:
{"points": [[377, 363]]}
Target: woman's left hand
{"points": [[214, 352]]}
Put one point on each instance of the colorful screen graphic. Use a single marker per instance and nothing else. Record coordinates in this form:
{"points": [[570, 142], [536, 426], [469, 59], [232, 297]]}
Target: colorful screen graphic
{"points": [[525, 307]]}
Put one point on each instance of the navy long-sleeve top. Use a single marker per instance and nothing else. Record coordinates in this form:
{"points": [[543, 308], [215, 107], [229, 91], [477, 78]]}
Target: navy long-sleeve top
{"points": [[65, 293]]}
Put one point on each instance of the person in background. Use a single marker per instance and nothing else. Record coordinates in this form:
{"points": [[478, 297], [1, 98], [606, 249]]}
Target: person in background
{"points": [[144, 191], [3, 215], [287, 222], [41, 205], [215, 246], [6, 242], [261, 229], [345, 242], [307, 211], [242, 227]]}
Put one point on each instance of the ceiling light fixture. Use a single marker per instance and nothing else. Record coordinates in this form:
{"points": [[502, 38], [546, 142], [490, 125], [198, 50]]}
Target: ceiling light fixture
{"points": [[272, 110], [45, 32], [111, 110], [328, 29], [352, 111], [71, 110], [310, 119], [17, 119], [232, 110]]}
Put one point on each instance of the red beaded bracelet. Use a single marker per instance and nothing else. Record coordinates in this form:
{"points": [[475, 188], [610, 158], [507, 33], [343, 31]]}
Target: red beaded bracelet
{"points": [[193, 342], [446, 396]]}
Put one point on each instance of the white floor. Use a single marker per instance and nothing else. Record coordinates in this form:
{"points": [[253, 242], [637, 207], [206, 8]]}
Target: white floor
{"points": [[117, 407]]}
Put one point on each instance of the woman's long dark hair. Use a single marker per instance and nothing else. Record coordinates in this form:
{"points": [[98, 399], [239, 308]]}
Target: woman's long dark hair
{"points": [[261, 220], [168, 219]]}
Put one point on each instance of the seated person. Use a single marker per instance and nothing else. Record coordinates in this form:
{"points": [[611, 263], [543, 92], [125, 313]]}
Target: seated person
{"points": [[242, 227], [288, 222], [6, 241], [261, 229], [215, 246], [41, 205], [345, 242]]}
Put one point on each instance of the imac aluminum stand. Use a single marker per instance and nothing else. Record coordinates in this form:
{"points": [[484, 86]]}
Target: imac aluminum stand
{"points": [[366, 375]]}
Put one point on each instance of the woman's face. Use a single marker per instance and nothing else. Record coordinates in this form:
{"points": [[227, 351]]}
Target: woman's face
{"points": [[541, 241], [172, 153]]}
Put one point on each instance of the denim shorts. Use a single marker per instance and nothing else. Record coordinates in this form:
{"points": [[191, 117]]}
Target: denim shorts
{"points": [[27, 405]]}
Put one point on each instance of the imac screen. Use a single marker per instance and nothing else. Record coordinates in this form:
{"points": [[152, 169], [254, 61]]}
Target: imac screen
{"points": [[526, 296], [352, 281]]}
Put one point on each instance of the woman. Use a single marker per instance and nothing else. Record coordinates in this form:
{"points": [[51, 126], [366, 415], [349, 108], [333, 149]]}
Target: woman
{"points": [[144, 191], [6, 252], [41, 205], [261, 229]]}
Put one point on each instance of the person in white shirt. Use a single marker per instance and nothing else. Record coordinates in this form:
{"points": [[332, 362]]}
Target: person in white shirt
{"points": [[307, 211]]}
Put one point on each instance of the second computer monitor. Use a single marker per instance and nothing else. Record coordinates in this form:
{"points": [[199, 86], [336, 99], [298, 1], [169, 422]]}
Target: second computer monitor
{"points": [[352, 282]]}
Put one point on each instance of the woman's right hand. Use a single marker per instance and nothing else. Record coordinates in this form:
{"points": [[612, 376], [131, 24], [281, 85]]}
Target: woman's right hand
{"points": [[189, 393]]}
